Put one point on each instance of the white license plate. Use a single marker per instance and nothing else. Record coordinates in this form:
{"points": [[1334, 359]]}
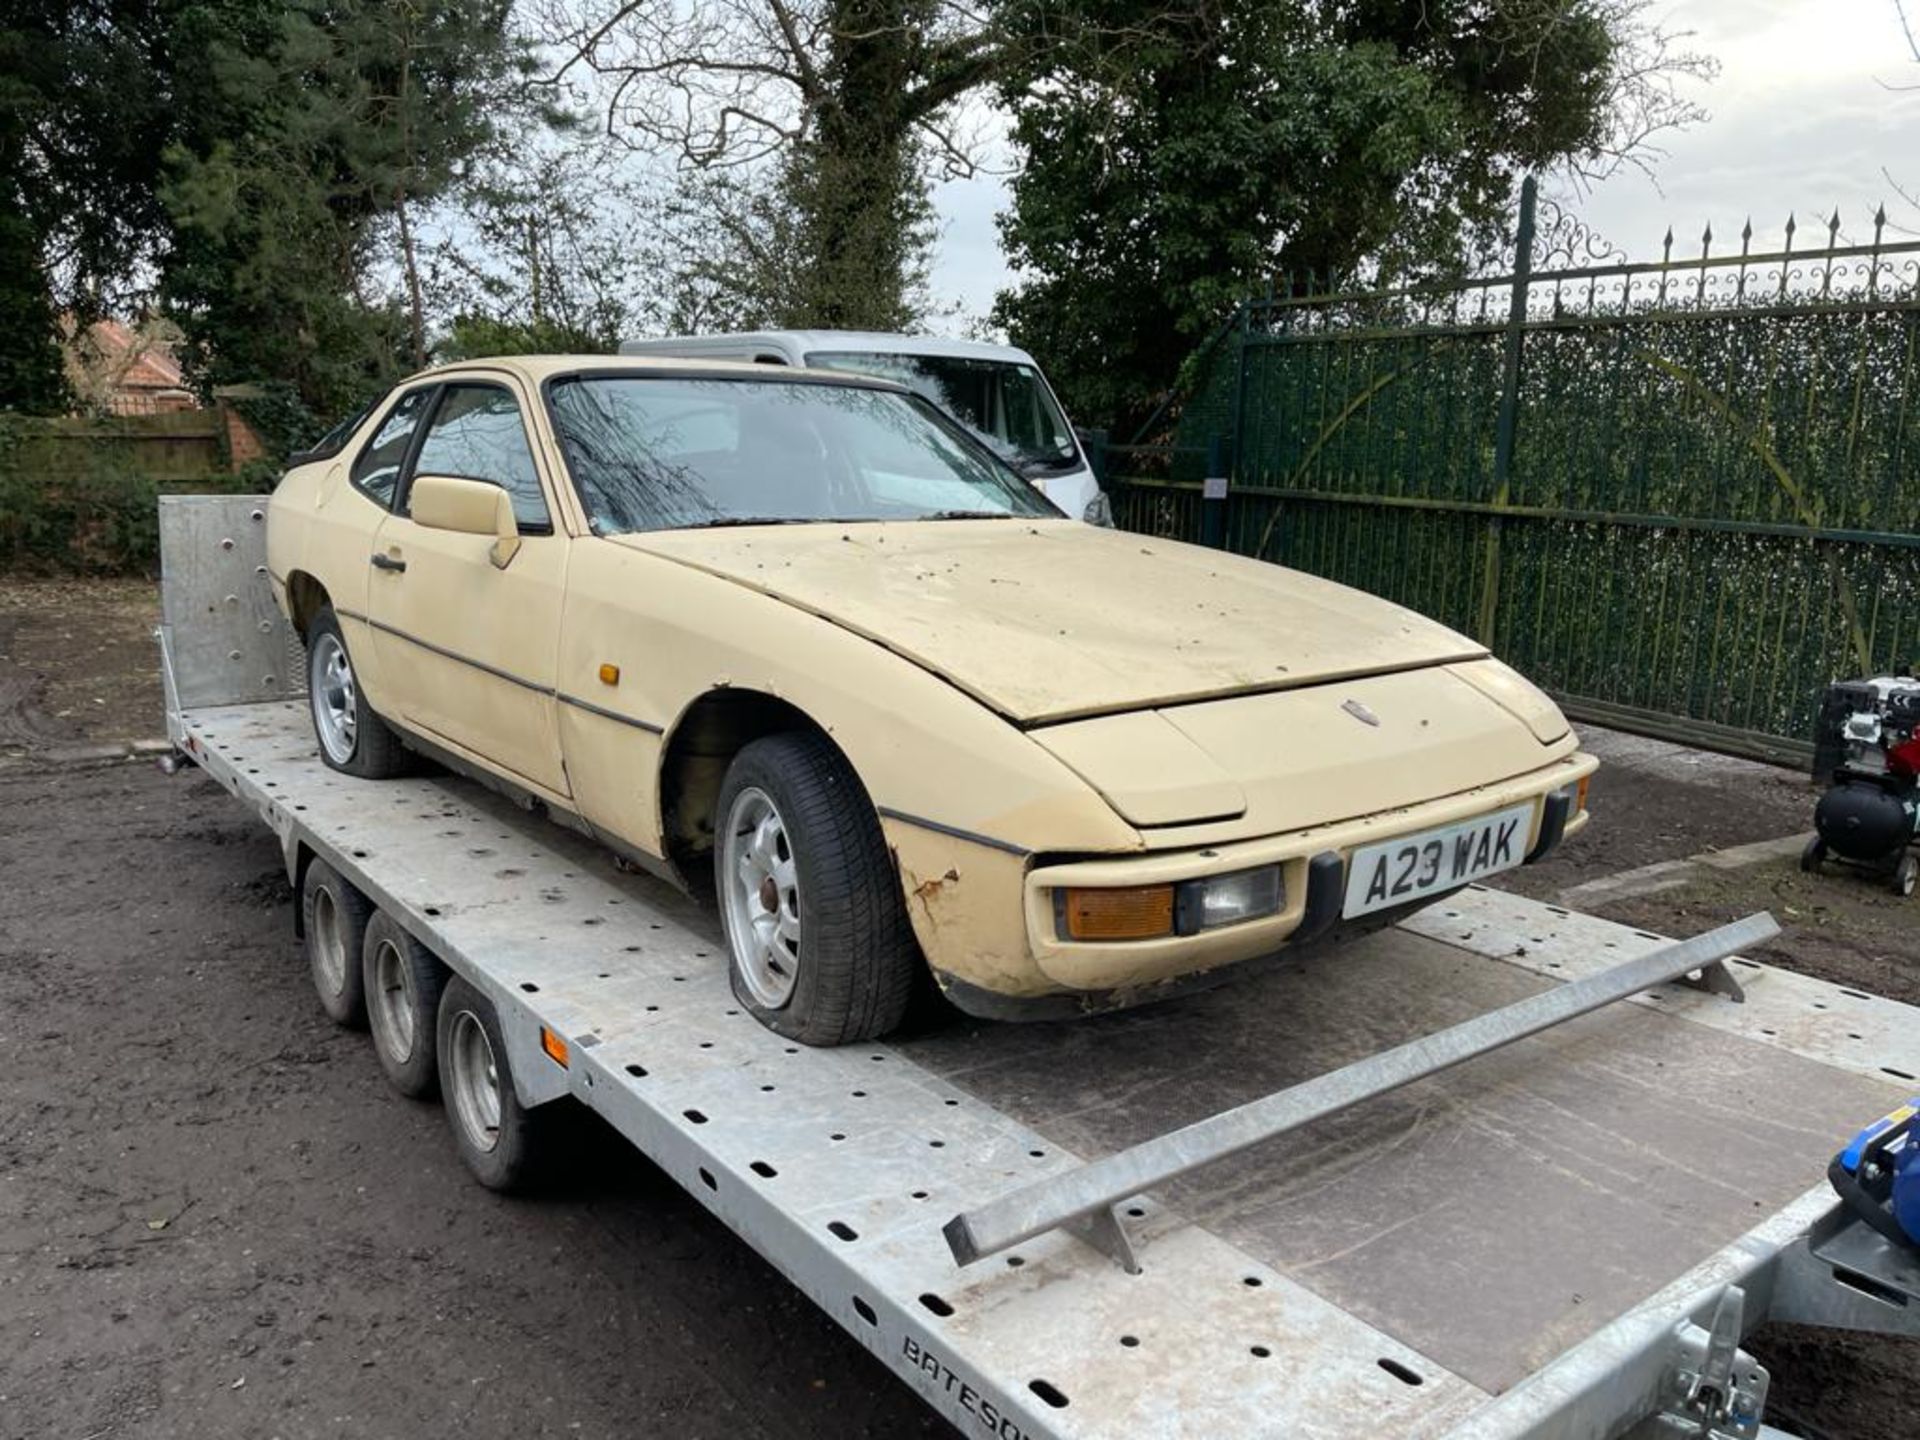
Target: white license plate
{"points": [[1395, 872]]}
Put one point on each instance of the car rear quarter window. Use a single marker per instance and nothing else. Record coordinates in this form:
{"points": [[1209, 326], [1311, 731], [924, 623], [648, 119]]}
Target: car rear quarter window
{"points": [[376, 471], [477, 434]]}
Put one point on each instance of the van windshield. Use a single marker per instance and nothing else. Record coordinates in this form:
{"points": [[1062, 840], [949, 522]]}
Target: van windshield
{"points": [[1004, 402], [662, 454]]}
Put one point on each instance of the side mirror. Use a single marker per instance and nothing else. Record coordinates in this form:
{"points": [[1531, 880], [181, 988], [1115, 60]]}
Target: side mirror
{"points": [[467, 507]]}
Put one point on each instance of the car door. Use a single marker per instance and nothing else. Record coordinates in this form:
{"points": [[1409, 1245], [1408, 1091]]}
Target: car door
{"points": [[468, 648]]}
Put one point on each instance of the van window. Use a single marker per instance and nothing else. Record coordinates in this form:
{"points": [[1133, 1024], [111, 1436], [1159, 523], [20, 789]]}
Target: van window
{"points": [[1006, 403]]}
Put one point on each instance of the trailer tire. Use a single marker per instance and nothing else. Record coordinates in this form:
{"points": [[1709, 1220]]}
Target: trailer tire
{"points": [[353, 739], [402, 981], [833, 959], [501, 1141], [333, 917]]}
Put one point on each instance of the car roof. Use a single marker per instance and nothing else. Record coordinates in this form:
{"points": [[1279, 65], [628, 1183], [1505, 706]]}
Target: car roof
{"points": [[877, 342]]}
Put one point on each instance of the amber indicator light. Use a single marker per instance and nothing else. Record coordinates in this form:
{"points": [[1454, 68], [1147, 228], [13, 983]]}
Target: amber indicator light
{"points": [[1137, 913]]}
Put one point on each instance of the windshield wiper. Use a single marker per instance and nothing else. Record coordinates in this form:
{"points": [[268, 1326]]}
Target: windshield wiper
{"points": [[721, 522], [967, 515]]}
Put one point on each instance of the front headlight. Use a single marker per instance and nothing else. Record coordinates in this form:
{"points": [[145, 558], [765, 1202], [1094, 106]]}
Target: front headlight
{"points": [[1098, 511], [1216, 900]]}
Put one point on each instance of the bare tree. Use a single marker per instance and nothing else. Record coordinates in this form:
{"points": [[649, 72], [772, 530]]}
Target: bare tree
{"points": [[728, 83], [829, 116]]}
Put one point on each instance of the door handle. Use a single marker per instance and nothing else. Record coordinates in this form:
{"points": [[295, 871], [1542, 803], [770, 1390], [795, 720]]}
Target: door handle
{"points": [[389, 562]]}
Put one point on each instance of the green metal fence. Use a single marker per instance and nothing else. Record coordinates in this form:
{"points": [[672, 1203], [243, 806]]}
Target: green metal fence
{"points": [[1680, 495]]}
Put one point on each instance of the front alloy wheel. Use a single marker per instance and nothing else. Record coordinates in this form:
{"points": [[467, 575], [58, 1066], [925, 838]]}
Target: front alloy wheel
{"points": [[762, 898], [816, 923]]}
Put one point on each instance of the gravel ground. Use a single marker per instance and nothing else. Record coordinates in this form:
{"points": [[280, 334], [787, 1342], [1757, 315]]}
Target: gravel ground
{"points": [[217, 1220]]}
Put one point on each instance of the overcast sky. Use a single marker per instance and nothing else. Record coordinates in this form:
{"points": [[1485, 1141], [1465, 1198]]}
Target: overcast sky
{"points": [[1800, 121]]}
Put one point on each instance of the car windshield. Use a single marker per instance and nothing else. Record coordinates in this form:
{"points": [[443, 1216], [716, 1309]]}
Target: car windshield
{"points": [[658, 453], [1004, 402]]}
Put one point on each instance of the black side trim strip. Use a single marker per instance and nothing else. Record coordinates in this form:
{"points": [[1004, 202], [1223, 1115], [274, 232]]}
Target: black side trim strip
{"points": [[1326, 884], [565, 699], [498, 674], [1553, 825], [614, 715], [954, 830]]}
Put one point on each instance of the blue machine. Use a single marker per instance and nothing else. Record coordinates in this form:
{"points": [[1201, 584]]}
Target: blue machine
{"points": [[1878, 1175]]}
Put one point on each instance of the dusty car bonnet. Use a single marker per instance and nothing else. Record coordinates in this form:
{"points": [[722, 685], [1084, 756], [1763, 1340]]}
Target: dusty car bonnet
{"points": [[1048, 620]]}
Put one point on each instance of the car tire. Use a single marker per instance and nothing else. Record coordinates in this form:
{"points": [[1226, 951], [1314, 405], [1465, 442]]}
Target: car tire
{"points": [[402, 981], [353, 738], [833, 960], [504, 1144], [333, 918], [1813, 856]]}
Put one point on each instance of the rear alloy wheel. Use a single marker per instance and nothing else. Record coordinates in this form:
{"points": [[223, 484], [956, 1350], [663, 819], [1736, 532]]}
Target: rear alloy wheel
{"points": [[403, 981], [353, 739], [820, 946]]}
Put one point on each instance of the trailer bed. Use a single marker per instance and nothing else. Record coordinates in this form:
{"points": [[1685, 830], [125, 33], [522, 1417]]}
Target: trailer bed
{"points": [[1559, 1184], [1503, 1249]]}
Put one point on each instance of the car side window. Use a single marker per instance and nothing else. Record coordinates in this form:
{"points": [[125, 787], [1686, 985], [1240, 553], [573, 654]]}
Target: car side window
{"points": [[376, 472], [477, 434]]}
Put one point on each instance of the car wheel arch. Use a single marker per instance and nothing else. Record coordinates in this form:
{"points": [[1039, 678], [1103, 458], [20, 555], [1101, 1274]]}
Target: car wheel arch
{"points": [[305, 598], [695, 752]]}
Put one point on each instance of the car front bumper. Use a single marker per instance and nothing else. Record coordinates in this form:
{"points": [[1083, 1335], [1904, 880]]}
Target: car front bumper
{"points": [[1040, 972]]}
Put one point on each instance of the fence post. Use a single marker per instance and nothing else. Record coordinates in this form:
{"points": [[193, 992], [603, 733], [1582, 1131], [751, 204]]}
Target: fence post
{"points": [[1509, 418], [1213, 495]]}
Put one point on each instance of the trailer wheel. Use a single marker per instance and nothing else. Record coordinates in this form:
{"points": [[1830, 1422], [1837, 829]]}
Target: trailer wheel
{"points": [[334, 918], [353, 738], [500, 1140], [1812, 857], [402, 980], [821, 946], [1905, 875]]}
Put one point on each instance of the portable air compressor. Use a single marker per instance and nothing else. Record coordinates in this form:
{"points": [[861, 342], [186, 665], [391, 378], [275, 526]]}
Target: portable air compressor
{"points": [[1867, 753], [1878, 1175]]}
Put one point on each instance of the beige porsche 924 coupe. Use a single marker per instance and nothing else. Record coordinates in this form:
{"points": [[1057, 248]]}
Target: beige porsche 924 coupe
{"points": [[798, 636]]}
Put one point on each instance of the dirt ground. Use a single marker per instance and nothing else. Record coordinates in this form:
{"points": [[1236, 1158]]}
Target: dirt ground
{"points": [[217, 1220], [78, 663]]}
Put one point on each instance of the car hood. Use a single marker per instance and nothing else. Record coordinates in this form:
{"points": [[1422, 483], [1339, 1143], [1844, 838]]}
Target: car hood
{"points": [[1287, 760], [1049, 620]]}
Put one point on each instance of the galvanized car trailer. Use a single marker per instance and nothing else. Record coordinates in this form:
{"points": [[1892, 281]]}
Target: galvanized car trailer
{"points": [[1500, 1170]]}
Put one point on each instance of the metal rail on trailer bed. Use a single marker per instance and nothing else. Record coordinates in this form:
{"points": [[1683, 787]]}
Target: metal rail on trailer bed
{"points": [[1566, 1237]]}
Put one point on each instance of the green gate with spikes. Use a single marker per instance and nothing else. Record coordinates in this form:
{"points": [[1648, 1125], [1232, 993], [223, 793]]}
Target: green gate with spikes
{"points": [[1681, 495]]}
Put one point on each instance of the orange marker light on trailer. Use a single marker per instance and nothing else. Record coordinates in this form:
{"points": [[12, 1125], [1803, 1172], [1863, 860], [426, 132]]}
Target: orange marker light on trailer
{"points": [[555, 1047]]}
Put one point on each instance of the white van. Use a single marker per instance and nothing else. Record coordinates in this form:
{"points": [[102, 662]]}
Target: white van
{"points": [[996, 391]]}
